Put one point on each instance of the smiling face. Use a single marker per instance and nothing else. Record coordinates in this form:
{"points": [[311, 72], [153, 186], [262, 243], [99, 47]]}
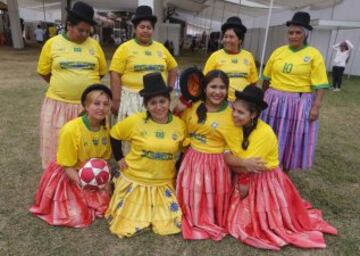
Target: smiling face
{"points": [[97, 106], [231, 41], [216, 92], [144, 31], [78, 33], [158, 107], [241, 113], [296, 36]]}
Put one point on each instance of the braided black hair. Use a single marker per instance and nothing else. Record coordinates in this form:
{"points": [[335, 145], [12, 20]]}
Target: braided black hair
{"points": [[247, 130]]}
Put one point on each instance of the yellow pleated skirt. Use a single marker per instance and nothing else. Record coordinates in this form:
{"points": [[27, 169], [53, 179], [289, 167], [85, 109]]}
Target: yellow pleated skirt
{"points": [[137, 206]]}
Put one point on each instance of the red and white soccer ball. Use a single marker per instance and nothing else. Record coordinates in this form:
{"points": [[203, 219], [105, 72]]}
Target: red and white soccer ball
{"points": [[94, 174]]}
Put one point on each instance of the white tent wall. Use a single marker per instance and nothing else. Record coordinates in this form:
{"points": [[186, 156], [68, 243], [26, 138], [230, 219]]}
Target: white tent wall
{"points": [[38, 14], [170, 32]]}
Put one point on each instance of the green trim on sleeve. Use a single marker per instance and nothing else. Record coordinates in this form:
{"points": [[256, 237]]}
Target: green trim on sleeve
{"points": [[320, 86], [263, 77]]}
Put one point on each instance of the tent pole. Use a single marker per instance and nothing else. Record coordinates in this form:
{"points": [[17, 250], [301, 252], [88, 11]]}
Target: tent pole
{"points": [[266, 36], [222, 22]]}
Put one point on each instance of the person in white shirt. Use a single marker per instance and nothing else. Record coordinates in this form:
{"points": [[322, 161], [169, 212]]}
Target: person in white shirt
{"points": [[39, 34], [342, 57]]}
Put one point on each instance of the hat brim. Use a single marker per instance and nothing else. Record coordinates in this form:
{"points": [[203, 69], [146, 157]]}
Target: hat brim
{"points": [[242, 96], [190, 84], [95, 87], [150, 18], [228, 25], [145, 94], [290, 22], [80, 17]]}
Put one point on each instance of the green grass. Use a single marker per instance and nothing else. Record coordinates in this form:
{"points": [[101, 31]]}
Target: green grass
{"points": [[332, 185]]}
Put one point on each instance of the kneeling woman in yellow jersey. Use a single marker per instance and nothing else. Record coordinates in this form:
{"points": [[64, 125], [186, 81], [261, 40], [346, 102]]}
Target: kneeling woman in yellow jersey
{"points": [[266, 211], [204, 180], [144, 195], [60, 200]]}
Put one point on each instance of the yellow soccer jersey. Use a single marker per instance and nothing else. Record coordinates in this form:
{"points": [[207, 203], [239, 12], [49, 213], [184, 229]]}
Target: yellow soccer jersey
{"points": [[296, 71], [133, 61], [77, 143], [240, 68], [215, 134], [262, 143], [73, 67], [154, 147]]}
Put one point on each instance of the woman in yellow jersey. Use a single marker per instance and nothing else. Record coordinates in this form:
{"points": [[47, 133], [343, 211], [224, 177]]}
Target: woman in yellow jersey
{"points": [[266, 211], [59, 200], [204, 180], [69, 62], [135, 58], [144, 195], [294, 79], [237, 63]]}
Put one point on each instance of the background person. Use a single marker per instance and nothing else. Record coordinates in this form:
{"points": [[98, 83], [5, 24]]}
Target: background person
{"points": [[342, 56]]}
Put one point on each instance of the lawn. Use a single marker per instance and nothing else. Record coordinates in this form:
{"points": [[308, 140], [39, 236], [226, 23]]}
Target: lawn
{"points": [[333, 185]]}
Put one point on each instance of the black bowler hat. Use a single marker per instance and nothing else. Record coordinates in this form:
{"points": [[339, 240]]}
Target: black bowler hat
{"points": [[252, 94], [233, 22], [191, 80], [300, 19], [83, 12], [95, 87], [153, 85], [143, 12]]}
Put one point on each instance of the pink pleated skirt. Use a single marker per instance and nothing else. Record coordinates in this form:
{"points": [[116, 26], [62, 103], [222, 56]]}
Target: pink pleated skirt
{"points": [[273, 214], [54, 114], [203, 192], [61, 202]]}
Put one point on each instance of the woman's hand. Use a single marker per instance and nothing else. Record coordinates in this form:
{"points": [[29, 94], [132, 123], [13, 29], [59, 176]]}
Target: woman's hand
{"points": [[314, 112], [107, 188], [115, 105], [122, 164], [73, 175], [255, 165]]}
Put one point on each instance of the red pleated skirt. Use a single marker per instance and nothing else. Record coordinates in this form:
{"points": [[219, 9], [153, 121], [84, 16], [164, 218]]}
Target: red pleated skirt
{"points": [[61, 202], [273, 214], [203, 192]]}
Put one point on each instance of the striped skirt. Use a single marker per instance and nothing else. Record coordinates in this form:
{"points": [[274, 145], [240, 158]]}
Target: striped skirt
{"points": [[273, 214], [61, 202], [54, 114], [135, 207], [203, 191], [288, 114]]}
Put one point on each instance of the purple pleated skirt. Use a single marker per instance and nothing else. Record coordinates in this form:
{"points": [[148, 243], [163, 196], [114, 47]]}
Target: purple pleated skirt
{"points": [[288, 114]]}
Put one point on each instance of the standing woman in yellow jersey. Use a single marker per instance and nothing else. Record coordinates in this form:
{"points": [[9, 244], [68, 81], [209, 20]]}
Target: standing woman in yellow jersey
{"points": [[204, 180], [144, 195], [294, 79], [136, 58], [237, 63], [59, 200], [69, 62], [266, 211]]}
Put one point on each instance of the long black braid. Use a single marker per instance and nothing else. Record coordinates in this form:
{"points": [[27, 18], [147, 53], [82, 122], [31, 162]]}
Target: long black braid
{"points": [[247, 130]]}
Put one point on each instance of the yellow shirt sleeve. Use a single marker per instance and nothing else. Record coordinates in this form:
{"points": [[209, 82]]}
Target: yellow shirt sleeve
{"points": [[318, 75], [123, 129], [268, 67], [67, 154], [45, 60], [210, 64], [118, 61], [253, 75], [102, 60], [170, 60]]}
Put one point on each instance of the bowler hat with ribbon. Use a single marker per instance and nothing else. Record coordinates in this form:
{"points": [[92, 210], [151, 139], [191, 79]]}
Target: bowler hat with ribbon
{"points": [[83, 12], [95, 87], [143, 12], [153, 85], [300, 19], [253, 94], [233, 22]]}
